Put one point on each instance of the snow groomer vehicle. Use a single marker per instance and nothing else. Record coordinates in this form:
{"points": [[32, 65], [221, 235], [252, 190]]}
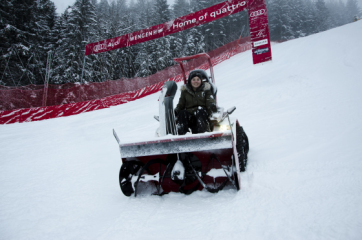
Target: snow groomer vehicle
{"points": [[211, 160]]}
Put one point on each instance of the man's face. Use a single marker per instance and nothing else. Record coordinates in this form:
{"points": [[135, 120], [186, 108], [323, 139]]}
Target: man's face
{"points": [[195, 82]]}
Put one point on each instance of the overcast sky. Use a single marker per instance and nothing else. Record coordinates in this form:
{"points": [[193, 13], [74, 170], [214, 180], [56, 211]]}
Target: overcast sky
{"points": [[63, 4]]}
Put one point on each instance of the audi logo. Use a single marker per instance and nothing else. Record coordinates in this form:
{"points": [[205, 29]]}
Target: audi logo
{"points": [[257, 13]]}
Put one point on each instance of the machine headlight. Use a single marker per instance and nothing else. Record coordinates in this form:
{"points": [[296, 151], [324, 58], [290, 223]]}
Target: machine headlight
{"points": [[224, 128]]}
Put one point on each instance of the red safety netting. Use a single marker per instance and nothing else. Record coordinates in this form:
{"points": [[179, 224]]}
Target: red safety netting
{"points": [[23, 104], [31, 96]]}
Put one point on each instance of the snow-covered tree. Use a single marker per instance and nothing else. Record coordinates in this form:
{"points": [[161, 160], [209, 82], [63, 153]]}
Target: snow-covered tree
{"points": [[323, 21], [80, 29], [280, 20], [309, 25], [43, 26], [180, 8], [352, 10], [161, 53], [25, 38], [194, 43], [177, 40], [143, 61], [298, 17]]}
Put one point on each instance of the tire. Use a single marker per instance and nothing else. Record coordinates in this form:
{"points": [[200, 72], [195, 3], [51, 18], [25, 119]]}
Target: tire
{"points": [[127, 171], [236, 179], [245, 143], [242, 147]]}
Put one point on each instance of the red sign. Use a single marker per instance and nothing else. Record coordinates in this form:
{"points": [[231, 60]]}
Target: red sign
{"points": [[259, 31], [179, 24], [257, 18]]}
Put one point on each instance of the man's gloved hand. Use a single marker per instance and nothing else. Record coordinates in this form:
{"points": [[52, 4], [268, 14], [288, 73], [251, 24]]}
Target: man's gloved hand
{"points": [[213, 108]]}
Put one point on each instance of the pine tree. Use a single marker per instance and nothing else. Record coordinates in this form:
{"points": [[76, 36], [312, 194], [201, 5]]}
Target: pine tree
{"points": [[322, 16], [26, 37], [118, 26], [309, 25], [177, 40], [298, 18], [44, 42], [352, 10], [206, 30], [80, 29], [194, 43], [15, 43], [176, 45], [135, 18], [280, 20], [180, 8], [194, 38], [59, 60], [336, 12], [160, 51], [143, 63]]}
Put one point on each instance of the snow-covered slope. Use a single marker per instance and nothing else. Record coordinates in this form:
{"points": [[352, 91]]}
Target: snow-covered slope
{"points": [[302, 113]]}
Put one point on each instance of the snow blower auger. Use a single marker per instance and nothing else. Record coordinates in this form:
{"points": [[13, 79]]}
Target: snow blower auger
{"points": [[172, 163]]}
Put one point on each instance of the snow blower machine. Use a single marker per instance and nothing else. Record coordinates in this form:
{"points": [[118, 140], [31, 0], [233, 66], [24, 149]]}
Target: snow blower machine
{"points": [[211, 160]]}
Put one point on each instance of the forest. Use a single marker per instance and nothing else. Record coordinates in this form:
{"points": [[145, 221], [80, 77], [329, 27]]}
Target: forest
{"points": [[32, 33]]}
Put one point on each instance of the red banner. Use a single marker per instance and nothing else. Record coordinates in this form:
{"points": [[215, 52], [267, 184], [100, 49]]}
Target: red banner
{"points": [[258, 21], [179, 24], [259, 31]]}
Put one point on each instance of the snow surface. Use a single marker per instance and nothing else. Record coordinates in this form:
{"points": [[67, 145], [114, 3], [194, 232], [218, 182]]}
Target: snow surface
{"points": [[302, 113]]}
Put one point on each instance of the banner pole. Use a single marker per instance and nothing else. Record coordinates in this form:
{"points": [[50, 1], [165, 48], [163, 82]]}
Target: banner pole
{"points": [[47, 74], [81, 79]]}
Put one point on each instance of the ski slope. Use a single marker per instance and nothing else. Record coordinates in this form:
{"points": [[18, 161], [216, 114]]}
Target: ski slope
{"points": [[302, 113]]}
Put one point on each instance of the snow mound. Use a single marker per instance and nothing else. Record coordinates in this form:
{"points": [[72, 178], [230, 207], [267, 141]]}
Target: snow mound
{"points": [[302, 113]]}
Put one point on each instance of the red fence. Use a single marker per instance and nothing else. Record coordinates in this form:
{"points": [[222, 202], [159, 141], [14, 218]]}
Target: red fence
{"points": [[24, 104]]}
